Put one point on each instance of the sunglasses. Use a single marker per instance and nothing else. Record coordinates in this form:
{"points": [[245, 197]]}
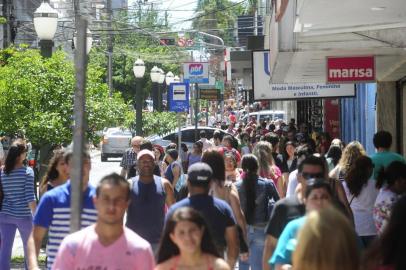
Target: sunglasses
{"points": [[308, 176]]}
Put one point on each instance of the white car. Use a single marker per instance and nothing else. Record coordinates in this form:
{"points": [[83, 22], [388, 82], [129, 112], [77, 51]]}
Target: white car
{"points": [[266, 115], [114, 142]]}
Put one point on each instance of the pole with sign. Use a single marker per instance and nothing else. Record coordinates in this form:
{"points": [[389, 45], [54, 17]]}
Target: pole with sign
{"points": [[195, 73], [179, 102]]}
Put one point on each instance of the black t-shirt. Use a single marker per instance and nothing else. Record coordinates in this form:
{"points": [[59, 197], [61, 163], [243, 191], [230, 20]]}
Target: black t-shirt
{"points": [[284, 211], [278, 160]]}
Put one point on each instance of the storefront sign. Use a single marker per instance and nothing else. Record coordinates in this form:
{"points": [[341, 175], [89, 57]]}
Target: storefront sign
{"points": [[197, 72], [263, 89], [350, 69], [332, 117], [209, 92]]}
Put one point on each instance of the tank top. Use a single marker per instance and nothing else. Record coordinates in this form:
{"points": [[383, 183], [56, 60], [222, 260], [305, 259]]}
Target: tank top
{"points": [[209, 263], [146, 212]]}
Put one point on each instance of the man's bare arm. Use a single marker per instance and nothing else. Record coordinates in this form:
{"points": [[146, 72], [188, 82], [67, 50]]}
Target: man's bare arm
{"points": [[232, 245], [34, 245], [270, 244]]}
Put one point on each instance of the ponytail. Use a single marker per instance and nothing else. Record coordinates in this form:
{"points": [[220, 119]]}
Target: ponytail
{"points": [[249, 164]]}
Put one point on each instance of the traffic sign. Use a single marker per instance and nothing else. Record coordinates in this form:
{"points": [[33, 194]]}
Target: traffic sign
{"points": [[178, 97], [181, 42], [196, 72], [167, 41]]}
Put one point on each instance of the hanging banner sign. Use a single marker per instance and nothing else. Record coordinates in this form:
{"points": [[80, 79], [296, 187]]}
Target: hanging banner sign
{"points": [[196, 72], [263, 89], [354, 69]]}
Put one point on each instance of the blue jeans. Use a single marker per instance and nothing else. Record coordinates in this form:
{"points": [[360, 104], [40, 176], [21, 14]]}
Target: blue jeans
{"points": [[8, 227], [256, 242]]}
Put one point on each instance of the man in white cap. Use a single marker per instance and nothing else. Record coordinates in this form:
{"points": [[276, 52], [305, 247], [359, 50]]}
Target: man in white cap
{"points": [[150, 195]]}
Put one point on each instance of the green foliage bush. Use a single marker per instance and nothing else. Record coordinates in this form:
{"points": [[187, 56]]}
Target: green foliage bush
{"points": [[36, 98], [158, 123]]}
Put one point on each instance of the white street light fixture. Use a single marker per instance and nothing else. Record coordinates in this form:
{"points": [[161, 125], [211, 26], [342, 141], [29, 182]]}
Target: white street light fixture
{"points": [[139, 68], [155, 73], [161, 76], [89, 40], [45, 21], [45, 24], [169, 78]]}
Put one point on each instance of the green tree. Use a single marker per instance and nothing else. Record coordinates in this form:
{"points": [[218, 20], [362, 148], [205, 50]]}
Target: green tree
{"points": [[36, 99]]}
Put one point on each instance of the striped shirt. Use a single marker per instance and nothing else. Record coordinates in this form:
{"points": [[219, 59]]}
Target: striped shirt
{"points": [[53, 213], [18, 189]]}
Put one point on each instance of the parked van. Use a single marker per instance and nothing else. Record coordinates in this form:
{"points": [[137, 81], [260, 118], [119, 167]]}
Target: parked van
{"points": [[266, 115]]}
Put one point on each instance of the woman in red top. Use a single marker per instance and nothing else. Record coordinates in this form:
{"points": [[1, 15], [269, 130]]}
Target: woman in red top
{"points": [[187, 244]]}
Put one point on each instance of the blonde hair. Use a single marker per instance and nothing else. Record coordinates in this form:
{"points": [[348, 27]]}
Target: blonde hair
{"points": [[351, 152], [326, 241], [263, 152]]}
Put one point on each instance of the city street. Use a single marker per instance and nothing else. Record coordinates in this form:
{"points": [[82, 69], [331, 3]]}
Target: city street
{"points": [[99, 169]]}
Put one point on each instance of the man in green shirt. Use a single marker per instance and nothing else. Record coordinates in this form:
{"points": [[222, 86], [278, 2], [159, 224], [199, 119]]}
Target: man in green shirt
{"points": [[383, 157]]}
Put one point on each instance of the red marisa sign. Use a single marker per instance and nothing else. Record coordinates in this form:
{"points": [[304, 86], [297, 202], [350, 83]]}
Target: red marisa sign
{"points": [[351, 69]]}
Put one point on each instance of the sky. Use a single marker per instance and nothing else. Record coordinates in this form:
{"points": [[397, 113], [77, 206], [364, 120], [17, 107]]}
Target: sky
{"points": [[178, 10]]}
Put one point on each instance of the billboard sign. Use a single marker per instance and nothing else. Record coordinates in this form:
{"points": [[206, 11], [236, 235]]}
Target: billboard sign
{"points": [[353, 69], [263, 89], [178, 97], [196, 72]]}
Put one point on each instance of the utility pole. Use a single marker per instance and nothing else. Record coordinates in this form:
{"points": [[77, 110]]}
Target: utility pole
{"points": [[6, 12], [110, 49]]}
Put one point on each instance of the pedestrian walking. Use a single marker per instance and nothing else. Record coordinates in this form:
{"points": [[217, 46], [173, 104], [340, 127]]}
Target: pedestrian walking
{"points": [[388, 251], [18, 204], [57, 173], [326, 241], [216, 212], [206, 144], [150, 196], [267, 167], [129, 160], [256, 195], [173, 170], [87, 248], [361, 194], [53, 214], [290, 208], [187, 243], [383, 157], [232, 172], [196, 154], [224, 189], [318, 196], [391, 183]]}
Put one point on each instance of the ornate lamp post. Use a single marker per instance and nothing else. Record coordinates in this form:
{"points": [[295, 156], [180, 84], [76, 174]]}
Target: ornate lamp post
{"points": [[139, 71], [160, 82], [155, 73], [45, 24]]}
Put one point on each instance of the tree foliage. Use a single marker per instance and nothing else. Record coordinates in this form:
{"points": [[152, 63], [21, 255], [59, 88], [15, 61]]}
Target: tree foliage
{"points": [[158, 123], [36, 98], [218, 17]]}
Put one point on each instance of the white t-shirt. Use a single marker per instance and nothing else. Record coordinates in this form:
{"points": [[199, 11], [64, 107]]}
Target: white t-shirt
{"points": [[292, 184], [362, 207]]}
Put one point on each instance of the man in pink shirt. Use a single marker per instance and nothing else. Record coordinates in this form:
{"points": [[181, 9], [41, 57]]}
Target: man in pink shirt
{"points": [[107, 244]]}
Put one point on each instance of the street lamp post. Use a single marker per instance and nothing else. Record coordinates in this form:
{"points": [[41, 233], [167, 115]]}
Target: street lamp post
{"points": [[160, 82], [89, 40], [155, 74], [45, 24], [139, 71], [168, 80]]}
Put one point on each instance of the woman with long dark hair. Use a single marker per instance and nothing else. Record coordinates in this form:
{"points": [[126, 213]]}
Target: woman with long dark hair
{"points": [[391, 183], [19, 202], [256, 195], [361, 194], [57, 173], [222, 189], [187, 243], [388, 252]]}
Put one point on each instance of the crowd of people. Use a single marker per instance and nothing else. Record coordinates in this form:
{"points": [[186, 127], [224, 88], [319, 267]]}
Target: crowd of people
{"points": [[266, 196]]}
